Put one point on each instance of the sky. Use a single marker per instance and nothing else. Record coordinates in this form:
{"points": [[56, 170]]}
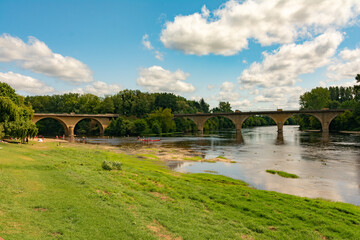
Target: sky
{"points": [[255, 54]]}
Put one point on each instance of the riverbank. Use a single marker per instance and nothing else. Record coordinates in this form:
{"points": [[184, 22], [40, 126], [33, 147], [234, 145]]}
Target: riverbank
{"points": [[50, 191]]}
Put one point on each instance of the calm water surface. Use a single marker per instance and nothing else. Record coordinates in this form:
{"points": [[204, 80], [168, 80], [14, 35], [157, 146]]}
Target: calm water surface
{"points": [[328, 165]]}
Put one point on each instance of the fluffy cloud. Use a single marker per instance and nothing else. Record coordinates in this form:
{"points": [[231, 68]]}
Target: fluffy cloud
{"points": [[346, 67], [230, 27], [38, 57], [25, 83], [282, 97], [227, 92], [157, 79], [99, 88], [283, 66]]}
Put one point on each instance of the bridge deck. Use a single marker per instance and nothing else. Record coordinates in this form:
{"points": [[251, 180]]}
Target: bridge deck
{"points": [[107, 115], [262, 112]]}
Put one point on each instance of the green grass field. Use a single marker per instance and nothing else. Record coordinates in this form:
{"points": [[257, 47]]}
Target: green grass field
{"points": [[62, 192]]}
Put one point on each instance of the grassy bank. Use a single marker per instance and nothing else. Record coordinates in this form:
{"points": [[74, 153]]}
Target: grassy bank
{"points": [[62, 192]]}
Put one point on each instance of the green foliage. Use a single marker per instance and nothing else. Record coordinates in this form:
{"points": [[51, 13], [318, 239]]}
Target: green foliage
{"points": [[282, 174], [316, 99], [15, 116], [163, 118], [140, 126], [108, 165], [224, 107]]}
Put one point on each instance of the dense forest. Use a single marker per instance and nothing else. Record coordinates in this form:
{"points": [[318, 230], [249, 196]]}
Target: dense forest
{"points": [[152, 113]]}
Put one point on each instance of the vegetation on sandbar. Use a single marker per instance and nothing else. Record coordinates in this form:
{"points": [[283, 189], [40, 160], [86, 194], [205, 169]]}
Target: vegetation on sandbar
{"points": [[282, 174]]}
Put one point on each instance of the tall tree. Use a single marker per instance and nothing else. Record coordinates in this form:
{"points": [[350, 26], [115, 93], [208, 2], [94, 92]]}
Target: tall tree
{"points": [[15, 116], [316, 99]]}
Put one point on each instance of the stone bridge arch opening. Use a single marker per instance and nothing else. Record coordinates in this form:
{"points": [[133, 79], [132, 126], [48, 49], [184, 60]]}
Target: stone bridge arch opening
{"points": [[218, 123], [88, 127], [51, 127]]}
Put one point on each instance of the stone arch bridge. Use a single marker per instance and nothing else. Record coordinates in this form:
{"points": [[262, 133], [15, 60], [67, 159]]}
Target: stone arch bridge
{"points": [[325, 117], [69, 120]]}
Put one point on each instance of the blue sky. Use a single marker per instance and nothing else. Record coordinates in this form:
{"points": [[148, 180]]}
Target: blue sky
{"points": [[255, 54]]}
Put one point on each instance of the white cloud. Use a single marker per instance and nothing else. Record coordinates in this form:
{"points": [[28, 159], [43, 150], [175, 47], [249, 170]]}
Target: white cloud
{"points": [[346, 67], [240, 104], [227, 92], [25, 83], [283, 66], [38, 57], [281, 97], [157, 79], [99, 88], [146, 42], [267, 21]]}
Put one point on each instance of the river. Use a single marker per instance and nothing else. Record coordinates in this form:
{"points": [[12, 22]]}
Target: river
{"points": [[328, 166]]}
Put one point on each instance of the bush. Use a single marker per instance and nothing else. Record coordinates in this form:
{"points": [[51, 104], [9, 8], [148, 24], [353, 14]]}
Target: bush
{"points": [[106, 165]]}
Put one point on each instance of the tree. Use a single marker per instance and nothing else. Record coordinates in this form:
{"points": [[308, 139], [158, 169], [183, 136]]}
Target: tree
{"points": [[15, 116], [164, 118], [316, 99], [223, 107]]}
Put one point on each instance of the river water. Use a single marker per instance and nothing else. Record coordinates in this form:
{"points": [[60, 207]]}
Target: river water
{"points": [[328, 166]]}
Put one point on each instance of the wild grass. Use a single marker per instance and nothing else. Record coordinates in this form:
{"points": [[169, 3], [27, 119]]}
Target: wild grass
{"points": [[282, 174], [194, 158], [62, 192]]}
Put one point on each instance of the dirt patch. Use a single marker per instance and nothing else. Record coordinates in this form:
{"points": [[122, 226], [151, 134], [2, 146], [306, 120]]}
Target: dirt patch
{"points": [[161, 232], [272, 228], [166, 154], [103, 192], [161, 196]]}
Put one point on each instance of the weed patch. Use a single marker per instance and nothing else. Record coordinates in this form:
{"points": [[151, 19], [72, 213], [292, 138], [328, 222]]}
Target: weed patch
{"points": [[282, 174]]}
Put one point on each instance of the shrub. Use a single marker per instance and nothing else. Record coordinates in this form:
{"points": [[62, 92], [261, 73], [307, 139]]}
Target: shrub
{"points": [[106, 165]]}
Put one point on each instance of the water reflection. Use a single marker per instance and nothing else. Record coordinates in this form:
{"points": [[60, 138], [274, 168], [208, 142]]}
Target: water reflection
{"points": [[328, 165]]}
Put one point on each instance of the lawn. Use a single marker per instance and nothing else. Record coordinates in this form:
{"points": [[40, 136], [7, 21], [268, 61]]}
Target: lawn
{"points": [[62, 192]]}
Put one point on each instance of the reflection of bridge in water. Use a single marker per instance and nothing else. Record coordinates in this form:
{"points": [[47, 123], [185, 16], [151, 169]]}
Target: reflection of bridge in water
{"points": [[324, 116], [69, 120]]}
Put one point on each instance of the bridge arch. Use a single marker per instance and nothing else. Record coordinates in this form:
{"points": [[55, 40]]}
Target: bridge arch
{"points": [[101, 126], [325, 116], [66, 129], [69, 121]]}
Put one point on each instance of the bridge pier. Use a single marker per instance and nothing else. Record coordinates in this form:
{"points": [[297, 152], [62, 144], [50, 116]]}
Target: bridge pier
{"points": [[71, 131]]}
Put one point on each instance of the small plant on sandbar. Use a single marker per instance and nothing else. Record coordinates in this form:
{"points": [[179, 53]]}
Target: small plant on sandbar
{"points": [[282, 174]]}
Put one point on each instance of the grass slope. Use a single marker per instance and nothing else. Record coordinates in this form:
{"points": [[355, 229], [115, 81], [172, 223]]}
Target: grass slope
{"points": [[62, 192]]}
